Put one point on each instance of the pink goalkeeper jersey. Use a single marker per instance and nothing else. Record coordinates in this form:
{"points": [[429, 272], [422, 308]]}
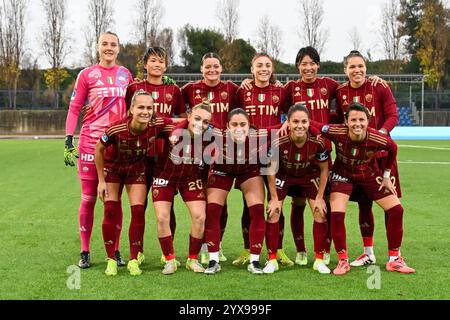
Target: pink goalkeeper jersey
{"points": [[102, 92]]}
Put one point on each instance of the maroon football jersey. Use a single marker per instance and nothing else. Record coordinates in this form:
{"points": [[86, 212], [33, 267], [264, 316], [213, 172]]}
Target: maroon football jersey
{"points": [[355, 159], [263, 105], [168, 100], [299, 162], [222, 98], [316, 96], [237, 159], [182, 161], [126, 152], [379, 100]]}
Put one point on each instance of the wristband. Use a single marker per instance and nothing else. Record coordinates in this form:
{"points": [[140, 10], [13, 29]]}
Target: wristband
{"points": [[69, 142], [387, 174]]}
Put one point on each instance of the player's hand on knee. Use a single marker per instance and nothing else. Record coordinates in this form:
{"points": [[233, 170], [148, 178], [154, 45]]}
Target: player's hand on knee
{"points": [[70, 152], [387, 185], [102, 191], [273, 210], [320, 207]]}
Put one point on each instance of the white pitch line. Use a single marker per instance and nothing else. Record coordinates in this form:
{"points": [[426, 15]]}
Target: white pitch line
{"points": [[423, 147], [422, 162]]}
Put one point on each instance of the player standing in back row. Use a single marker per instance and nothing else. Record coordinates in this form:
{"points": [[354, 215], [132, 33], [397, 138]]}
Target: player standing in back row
{"points": [[357, 145], [317, 94], [221, 96], [168, 102], [264, 104], [382, 107], [101, 89]]}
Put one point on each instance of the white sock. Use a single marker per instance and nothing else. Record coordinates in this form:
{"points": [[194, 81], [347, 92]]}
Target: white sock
{"points": [[214, 256], [368, 250], [204, 247], [254, 257], [392, 258]]}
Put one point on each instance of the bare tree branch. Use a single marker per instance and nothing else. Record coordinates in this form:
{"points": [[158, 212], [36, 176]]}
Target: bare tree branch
{"points": [[54, 41], [12, 44], [143, 21], [390, 30], [165, 40], [149, 16], [269, 38], [263, 34], [355, 39], [312, 33], [275, 50], [228, 13], [100, 20]]}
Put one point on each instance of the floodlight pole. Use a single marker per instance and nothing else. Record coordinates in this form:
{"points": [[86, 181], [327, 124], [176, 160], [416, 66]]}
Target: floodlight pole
{"points": [[423, 96]]}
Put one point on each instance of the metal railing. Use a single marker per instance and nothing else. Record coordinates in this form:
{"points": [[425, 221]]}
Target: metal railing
{"points": [[42, 100]]}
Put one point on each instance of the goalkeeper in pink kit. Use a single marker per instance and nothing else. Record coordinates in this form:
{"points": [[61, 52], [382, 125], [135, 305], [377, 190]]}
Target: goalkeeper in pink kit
{"points": [[101, 89]]}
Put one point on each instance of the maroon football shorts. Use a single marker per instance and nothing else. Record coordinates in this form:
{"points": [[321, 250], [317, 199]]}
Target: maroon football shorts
{"points": [[301, 187], [190, 189], [112, 176], [359, 194], [224, 181], [298, 193], [369, 186]]}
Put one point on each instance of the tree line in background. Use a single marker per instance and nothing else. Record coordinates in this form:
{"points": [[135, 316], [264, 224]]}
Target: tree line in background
{"points": [[414, 33]]}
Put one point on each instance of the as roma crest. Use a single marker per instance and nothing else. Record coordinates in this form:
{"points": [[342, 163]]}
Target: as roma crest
{"points": [[369, 97], [224, 95], [276, 99], [324, 91], [169, 97], [155, 193]]}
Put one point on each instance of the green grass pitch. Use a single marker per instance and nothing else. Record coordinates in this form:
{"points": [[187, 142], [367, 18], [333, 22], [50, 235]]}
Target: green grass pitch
{"points": [[39, 200]]}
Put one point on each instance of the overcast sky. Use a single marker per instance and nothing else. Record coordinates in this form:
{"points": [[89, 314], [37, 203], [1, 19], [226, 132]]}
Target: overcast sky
{"points": [[341, 16]]}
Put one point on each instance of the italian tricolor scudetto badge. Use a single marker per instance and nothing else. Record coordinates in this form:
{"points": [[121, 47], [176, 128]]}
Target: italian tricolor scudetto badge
{"points": [[210, 96], [310, 92], [356, 99], [354, 152], [155, 95], [110, 80], [261, 97], [297, 157]]}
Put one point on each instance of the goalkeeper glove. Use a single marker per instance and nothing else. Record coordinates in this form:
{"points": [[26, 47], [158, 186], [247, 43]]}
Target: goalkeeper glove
{"points": [[70, 153], [168, 80]]}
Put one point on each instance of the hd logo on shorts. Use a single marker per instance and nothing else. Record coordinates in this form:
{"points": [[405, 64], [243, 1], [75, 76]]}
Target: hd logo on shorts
{"points": [[338, 178], [86, 157], [279, 183], [158, 182]]}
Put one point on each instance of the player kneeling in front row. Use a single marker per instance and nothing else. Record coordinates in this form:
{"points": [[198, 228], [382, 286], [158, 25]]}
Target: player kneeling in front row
{"points": [[356, 146], [123, 163], [177, 169], [300, 160]]}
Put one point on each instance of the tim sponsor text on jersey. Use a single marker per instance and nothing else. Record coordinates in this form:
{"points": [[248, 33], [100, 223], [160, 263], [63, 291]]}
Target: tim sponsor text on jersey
{"points": [[266, 110], [162, 108], [317, 104], [111, 92], [297, 165]]}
